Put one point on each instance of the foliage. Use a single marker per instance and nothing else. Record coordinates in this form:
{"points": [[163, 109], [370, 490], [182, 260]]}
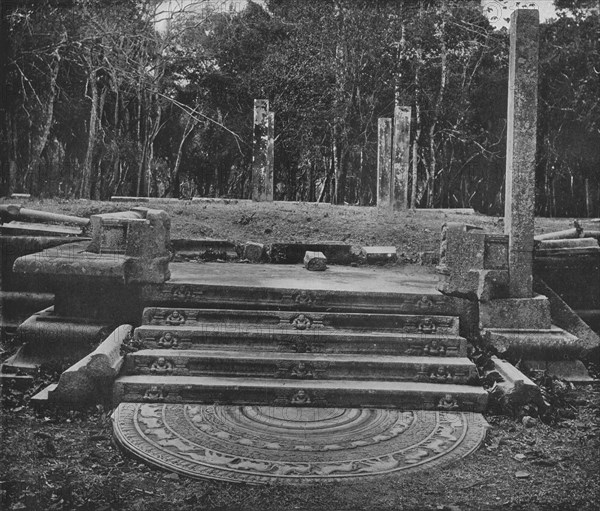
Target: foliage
{"points": [[102, 102]]}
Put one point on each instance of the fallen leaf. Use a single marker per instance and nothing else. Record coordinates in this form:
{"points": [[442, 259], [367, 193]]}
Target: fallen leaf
{"points": [[520, 457], [522, 474]]}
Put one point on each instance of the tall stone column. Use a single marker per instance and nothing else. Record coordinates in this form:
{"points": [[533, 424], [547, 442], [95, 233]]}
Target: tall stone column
{"points": [[262, 182], [520, 150], [401, 156], [385, 179], [270, 157]]}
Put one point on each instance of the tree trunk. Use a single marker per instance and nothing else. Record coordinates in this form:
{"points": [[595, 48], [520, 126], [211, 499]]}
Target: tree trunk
{"points": [[85, 189], [189, 128], [5, 184], [415, 148], [39, 143]]}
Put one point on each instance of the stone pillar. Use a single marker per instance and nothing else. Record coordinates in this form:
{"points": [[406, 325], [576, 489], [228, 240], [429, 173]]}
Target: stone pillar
{"points": [[385, 180], [270, 156], [520, 150], [401, 156], [260, 175]]}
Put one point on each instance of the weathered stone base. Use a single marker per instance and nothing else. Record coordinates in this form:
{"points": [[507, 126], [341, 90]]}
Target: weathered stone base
{"points": [[515, 313]]}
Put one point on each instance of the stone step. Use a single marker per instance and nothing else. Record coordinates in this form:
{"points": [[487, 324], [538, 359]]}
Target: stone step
{"points": [[285, 392], [293, 288], [304, 366], [17, 306], [218, 336], [408, 323]]}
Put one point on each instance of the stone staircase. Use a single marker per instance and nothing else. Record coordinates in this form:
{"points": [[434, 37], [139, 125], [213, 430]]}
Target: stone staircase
{"points": [[304, 357]]}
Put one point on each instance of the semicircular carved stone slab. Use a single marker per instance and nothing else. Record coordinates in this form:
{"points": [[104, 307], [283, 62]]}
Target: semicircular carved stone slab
{"points": [[294, 445]]}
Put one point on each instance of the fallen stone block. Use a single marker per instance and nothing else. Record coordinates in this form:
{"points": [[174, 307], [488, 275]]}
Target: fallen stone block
{"points": [[379, 255], [315, 261], [254, 252], [516, 390], [90, 379]]}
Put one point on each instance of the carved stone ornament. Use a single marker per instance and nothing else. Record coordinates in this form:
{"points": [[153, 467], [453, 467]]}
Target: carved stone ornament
{"points": [[427, 326], [168, 340], [303, 298], [301, 322], [441, 374], [448, 402], [154, 393], [161, 366], [435, 349], [424, 302], [175, 318]]}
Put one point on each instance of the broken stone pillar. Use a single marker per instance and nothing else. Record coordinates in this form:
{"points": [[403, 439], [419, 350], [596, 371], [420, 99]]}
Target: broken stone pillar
{"points": [[262, 172], [385, 180], [520, 150], [401, 156]]}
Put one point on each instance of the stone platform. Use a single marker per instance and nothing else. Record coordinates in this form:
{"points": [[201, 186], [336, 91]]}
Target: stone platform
{"points": [[279, 445]]}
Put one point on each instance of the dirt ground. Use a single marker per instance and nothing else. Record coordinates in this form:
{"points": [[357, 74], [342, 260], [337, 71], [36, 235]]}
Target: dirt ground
{"points": [[55, 460], [410, 232]]}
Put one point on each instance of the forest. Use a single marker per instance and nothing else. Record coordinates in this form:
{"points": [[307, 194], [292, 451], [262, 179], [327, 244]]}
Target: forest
{"points": [[155, 98]]}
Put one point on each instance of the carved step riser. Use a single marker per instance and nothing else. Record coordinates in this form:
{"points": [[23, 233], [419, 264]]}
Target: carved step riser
{"points": [[179, 295], [299, 369], [427, 324], [300, 342], [473, 401]]}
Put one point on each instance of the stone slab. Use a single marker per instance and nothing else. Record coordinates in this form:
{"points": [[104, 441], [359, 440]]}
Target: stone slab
{"points": [[248, 337], [73, 261], [550, 344], [306, 366], [47, 339], [407, 323], [320, 393], [204, 248], [294, 446], [90, 379], [569, 370], [38, 229], [516, 390], [375, 255], [515, 313], [17, 306], [565, 317]]}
